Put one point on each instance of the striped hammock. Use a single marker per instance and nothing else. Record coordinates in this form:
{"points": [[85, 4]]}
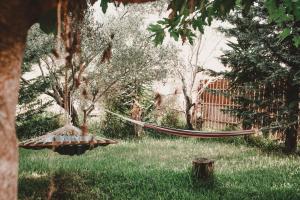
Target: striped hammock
{"points": [[186, 133]]}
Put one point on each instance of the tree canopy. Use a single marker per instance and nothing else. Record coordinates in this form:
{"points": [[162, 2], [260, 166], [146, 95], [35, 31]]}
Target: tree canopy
{"points": [[264, 72], [188, 16]]}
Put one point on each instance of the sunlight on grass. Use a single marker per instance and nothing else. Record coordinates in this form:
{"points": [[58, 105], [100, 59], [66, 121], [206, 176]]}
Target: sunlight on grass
{"points": [[159, 169]]}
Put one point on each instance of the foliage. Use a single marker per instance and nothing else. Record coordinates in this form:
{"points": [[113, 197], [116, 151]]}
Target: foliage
{"points": [[189, 16], [29, 126], [169, 118], [264, 72], [287, 15], [264, 144], [135, 59], [142, 64], [113, 127], [172, 119], [159, 169], [38, 46], [186, 17], [31, 118], [122, 104]]}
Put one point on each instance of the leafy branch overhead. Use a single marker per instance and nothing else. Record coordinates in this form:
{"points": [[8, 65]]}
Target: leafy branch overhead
{"points": [[189, 16]]}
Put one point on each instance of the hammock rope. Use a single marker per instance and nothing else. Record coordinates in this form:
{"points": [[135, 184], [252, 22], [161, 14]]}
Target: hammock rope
{"points": [[183, 132]]}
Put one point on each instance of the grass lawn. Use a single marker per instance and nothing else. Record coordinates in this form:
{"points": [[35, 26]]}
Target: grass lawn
{"points": [[158, 169]]}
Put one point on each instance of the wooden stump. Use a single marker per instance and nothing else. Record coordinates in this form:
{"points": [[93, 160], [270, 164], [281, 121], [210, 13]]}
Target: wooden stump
{"points": [[203, 170]]}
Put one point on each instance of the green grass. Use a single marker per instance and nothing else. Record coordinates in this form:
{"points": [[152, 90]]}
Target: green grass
{"points": [[158, 169]]}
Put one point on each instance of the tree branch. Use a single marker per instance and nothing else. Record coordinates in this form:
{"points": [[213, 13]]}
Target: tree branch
{"points": [[25, 81]]}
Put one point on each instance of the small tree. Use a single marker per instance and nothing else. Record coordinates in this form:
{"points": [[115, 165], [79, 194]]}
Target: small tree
{"points": [[94, 72], [188, 74], [265, 72]]}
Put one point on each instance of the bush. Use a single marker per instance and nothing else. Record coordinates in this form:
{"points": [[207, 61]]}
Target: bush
{"points": [[171, 119], [114, 127], [263, 143], [260, 142], [36, 125]]}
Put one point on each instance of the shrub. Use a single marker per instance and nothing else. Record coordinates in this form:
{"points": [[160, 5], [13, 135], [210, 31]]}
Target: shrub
{"points": [[170, 119], [114, 127], [36, 125]]}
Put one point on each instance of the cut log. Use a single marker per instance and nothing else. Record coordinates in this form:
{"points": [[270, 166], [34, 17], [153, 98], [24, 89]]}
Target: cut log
{"points": [[203, 170]]}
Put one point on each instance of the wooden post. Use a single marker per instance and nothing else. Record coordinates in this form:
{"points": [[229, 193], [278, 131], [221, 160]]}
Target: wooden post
{"points": [[203, 169]]}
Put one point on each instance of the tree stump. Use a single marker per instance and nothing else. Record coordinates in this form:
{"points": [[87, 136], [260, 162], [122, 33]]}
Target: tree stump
{"points": [[203, 170]]}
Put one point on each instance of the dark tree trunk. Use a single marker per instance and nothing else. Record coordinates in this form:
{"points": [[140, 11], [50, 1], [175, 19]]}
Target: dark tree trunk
{"points": [[188, 116], [74, 117], [292, 102], [246, 126], [188, 105]]}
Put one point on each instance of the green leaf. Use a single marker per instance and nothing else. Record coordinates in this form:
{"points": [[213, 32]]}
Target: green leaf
{"points": [[191, 37], [154, 27], [104, 5], [159, 38], [165, 21], [159, 33], [296, 40], [296, 10], [198, 24], [285, 33], [278, 13], [174, 35]]}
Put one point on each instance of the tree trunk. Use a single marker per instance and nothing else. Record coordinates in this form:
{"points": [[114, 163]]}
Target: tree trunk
{"points": [[188, 117], [74, 117], [60, 101], [188, 105], [292, 103], [246, 126], [16, 17], [11, 54]]}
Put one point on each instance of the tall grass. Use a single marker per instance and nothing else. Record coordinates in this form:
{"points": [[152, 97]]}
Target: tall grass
{"points": [[158, 169]]}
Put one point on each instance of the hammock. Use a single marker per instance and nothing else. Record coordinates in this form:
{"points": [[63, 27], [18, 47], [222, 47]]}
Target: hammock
{"points": [[67, 140], [186, 133]]}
